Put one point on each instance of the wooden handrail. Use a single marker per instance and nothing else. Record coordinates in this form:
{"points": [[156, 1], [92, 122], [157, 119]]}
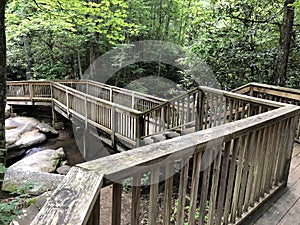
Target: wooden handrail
{"points": [[267, 174], [274, 93]]}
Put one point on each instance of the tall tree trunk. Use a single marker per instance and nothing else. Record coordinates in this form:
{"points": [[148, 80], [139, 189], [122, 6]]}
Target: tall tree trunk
{"points": [[94, 50], [28, 56], [3, 72], [280, 71]]}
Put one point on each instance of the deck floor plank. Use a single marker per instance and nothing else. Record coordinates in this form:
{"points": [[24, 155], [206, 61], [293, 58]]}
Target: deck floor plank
{"points": [[286, 210]]}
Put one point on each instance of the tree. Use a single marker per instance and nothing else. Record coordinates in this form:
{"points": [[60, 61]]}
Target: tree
{"points": [[2, 88], [281, 63], [51, 39]]}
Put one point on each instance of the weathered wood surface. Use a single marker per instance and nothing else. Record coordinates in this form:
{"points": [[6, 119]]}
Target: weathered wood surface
{"points": [[73, 201], [274, 93], [211, 150], [127, 161], [226, 157], [285, 210]]}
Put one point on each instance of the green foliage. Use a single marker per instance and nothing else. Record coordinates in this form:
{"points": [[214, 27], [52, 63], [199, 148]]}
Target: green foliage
{"points": [[10, 208], [186, 210], [49, 38], [237, 39]]}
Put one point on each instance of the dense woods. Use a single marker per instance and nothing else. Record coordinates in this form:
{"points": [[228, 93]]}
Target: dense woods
{"points": [[241, 41]]}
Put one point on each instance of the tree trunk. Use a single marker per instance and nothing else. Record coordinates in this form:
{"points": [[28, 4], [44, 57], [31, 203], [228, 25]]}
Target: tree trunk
{"points": [[28, 56], [280, 71], [3, 72]]}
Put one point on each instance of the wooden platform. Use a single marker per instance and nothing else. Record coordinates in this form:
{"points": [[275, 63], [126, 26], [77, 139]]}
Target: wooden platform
{"points": [[286, 210]]}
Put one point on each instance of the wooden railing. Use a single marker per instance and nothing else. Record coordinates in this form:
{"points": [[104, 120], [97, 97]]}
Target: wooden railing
{"points": [[28, 91], [274, 93], [121, 96], [114, 119], [98, 105], [214, 176], [201, 108]]}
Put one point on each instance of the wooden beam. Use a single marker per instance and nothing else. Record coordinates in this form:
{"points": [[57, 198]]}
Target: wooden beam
{"points": [[73, 201]]}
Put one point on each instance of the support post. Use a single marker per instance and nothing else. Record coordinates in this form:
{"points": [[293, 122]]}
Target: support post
{"points": [[114, 127], [140, 129], [200, 111]]}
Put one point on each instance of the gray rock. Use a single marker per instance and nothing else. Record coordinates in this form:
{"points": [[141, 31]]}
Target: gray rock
{"points": [[43, 161], [27, 139], [46, 129], [59, 126], [61, 153], [63, 170], [17, 177], [7, 111], [20, 132]]}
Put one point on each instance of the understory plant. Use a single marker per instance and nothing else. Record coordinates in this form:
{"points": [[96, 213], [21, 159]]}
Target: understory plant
{"points": [[11, 207]]}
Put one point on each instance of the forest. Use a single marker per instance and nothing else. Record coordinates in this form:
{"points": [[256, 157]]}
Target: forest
{"points": [[234, 41], [240, 41]]}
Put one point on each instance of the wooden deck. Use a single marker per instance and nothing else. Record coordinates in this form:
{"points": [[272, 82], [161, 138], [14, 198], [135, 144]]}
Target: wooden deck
{"points": [[286, 210], [235, 167]]}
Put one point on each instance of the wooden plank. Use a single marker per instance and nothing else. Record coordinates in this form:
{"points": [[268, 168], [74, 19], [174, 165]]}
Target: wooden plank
{"points": [[292, 215], [280, 93], [135, 202], [195, 186], [152, 215], [182, 191], [184, 145], [168, 193], [223, 186], [65, 206], [116, 204], [238, 178], [214, 186], [278, 210], [230, 185], [244, 179]]}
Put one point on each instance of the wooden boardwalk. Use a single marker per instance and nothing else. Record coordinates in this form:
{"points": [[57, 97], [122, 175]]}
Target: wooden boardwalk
{"points": [[286, 210], [251, 140]]}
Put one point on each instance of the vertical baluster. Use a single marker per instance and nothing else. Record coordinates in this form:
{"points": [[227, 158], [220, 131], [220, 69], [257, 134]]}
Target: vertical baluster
{"points": [[136, 197], [168, 193], [195, 186], [223, 186], [214, 185], [116, 204], [230, 184], [182, 191], [153, 196]]}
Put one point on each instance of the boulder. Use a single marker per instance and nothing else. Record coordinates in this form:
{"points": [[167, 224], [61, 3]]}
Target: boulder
{"points": [[42, 182], [35, 168], [15, 127], [47, 129], [63, 170], [43, 161], [21, 134], [27, 139], [7, 111]]}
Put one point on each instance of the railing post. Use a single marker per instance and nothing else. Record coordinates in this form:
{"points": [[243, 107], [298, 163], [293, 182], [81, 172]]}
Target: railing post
{"points": [[199, 110], [140, 129], [54, 116], [251, 92], [31, 92], [289, 148], [132, 100], [67, 102], [111, 94], [114, 127]]}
